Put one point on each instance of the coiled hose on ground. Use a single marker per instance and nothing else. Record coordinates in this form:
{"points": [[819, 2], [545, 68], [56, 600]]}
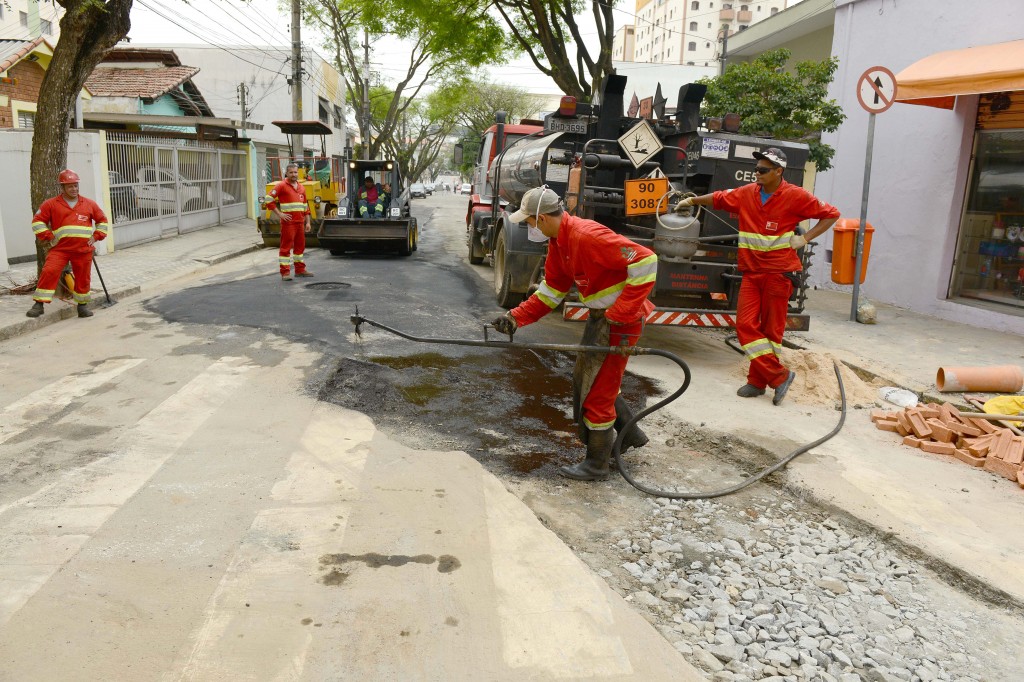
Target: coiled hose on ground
{"points": [[359, 320]]}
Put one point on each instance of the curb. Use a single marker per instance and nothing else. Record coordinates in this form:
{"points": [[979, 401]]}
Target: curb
{"points": [[31, 324]]}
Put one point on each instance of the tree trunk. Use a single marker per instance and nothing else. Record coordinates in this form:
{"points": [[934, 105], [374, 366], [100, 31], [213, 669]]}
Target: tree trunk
{"points": [[88, 30]]}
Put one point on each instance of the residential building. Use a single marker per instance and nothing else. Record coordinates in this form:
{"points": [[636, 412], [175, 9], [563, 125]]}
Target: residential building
{"points": [[30, 19], [263, 75], [624, 45], [151, 82], [23, 64], [689, 32]]}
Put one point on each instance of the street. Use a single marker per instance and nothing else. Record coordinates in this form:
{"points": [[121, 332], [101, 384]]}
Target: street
{"points": [[224, 482]]}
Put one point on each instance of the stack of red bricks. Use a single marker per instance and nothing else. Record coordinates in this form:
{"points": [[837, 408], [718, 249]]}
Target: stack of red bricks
{"points": [[941, 430]]}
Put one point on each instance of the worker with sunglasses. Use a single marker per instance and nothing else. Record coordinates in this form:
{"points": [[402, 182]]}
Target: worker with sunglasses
{"points": [[769, 209]]}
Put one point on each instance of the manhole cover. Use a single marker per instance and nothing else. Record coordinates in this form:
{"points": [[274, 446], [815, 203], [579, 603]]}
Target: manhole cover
{"points": [[328, 285]]}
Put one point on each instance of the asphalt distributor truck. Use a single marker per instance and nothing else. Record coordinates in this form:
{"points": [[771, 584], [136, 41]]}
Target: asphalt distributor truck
{"points": [[627, 173]]}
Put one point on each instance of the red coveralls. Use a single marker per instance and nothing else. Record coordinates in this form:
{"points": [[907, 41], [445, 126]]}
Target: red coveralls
{"points": [[764, 257], [72, 227], [612, 274], [292, 200]]}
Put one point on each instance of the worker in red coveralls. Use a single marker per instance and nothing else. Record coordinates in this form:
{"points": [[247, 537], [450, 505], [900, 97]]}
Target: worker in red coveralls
{"points": [[614, 277], [72, 224], [769, 209], [288, 203]]}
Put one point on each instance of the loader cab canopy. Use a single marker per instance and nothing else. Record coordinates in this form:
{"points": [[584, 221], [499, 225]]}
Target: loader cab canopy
{"points": [[317, 128]]}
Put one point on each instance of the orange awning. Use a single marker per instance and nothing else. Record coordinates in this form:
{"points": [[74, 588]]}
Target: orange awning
{"points": [[937, 80]]}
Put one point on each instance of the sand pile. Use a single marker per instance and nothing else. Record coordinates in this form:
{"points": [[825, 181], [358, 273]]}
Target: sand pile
{"points": [[815, 382]]}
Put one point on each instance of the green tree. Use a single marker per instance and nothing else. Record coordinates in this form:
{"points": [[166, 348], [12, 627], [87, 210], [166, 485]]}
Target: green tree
{"points": [[421, 134], [775, 103], [547, 31], [446, 38], [88, 29]]}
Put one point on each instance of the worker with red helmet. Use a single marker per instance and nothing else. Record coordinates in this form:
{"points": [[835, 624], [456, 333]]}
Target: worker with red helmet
{"points": [[72, 224], [288, 202]]}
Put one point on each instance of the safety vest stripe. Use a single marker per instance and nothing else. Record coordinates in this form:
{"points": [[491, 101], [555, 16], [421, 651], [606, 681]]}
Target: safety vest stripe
{"points": [[290, 207], [760, 242], [103, 227], [39, 227], [298, 258], [551, 297], [605, 297], [44, 295], [81, 298], [598, 427], [73, 231], [777, 347], [284, 260]]}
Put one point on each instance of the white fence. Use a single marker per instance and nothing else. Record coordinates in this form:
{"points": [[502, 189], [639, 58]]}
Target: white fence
{"points": [[161, 187]]}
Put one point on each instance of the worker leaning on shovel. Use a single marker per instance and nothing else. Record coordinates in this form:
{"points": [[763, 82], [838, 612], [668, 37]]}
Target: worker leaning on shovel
{"points": [[614, 277], [66, 221]]}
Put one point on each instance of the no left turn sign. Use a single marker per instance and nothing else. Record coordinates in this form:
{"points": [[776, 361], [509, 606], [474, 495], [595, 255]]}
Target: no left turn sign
{"points": [[876, 89]]}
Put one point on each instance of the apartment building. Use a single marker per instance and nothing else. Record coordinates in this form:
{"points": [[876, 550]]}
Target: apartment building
{"points": [[688, 32], [30, 19]]}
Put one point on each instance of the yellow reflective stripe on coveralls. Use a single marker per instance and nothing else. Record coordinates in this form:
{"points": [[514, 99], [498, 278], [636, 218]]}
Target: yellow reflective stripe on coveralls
{"points": [[550, 296], [293, 207], [605, 297], [73, 231], [39, 227], [762, 242], [643, 271], [103, 227], [758, 347]]}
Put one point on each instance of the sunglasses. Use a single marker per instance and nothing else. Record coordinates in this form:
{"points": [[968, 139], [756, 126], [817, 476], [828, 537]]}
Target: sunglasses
{"points": [[761, 170]]}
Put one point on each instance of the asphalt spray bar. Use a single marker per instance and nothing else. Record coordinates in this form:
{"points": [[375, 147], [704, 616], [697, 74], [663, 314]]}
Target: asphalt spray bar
{"points": [[358, 320]]}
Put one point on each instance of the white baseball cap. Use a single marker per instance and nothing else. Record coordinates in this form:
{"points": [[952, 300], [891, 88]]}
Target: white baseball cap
{"points": [[537, 201], [772, 155]]}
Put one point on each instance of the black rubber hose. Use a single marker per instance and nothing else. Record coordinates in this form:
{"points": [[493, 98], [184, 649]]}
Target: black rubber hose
{"points": [[358, 320], [616, 450]]}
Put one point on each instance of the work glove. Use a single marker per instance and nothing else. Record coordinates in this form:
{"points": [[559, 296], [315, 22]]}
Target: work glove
{"points": [[506, 324], [45, 236], [797, 241], [684, 203]]}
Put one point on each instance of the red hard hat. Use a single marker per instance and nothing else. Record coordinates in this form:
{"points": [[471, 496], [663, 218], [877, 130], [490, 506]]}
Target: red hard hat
{"points": [[67, 177]]}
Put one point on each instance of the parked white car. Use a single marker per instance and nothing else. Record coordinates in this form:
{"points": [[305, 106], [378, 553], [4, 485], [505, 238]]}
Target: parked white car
{"points": [[467, 188], [157, 190]]}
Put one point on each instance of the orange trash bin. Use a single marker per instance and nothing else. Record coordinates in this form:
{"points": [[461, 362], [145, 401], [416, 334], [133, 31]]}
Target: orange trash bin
{"points": [[844, 250]]}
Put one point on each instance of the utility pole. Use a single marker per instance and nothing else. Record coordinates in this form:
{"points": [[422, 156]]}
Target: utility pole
{"points": [[243, 101], [366, 93], [296, 77], [725, 46]]}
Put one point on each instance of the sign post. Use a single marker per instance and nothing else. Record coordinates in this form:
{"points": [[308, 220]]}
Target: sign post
{"points": [[876, 91]]}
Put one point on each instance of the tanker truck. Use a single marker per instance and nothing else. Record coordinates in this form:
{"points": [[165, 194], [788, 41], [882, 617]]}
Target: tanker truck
{"points": [[627, 173]]}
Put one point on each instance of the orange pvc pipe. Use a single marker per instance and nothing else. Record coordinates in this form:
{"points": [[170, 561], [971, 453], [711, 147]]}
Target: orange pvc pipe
{"points": [[999, 379]]}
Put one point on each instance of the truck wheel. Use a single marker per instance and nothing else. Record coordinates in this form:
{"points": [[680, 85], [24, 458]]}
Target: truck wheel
{"points": [[415, 227], [504, 295], [476, 249]]}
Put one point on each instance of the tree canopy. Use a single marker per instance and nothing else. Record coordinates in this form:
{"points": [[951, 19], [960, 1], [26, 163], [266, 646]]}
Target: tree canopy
{"points": [[447, 38], [775, 103], [547, 31]]}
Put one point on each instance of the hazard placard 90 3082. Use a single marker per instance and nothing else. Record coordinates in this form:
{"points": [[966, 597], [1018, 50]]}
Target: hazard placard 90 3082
{"points": [[642, 195]]}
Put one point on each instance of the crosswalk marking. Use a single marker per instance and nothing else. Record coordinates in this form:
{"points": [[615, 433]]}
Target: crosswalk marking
{"points": [[37, 406], [314, 502], [33, 547], [553, 623]]}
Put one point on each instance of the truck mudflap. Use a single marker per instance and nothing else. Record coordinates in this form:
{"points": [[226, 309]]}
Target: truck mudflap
{"points": [[683, 317], [368, 234], [270, 231]]}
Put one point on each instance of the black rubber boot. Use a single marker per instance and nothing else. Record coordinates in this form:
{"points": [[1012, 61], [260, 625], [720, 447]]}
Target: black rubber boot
{"points": [[635, 438], [595, 466], [36, 310], [83, 310]]}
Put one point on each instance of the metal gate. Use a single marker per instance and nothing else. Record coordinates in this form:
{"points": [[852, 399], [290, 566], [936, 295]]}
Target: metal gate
{"points": [[163, 187]]}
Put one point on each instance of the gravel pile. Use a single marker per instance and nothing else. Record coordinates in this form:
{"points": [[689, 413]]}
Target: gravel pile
{"points": [[778, 596]]}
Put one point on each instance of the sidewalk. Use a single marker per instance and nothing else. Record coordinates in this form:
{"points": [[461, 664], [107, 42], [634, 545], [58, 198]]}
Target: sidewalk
{"points": [[131, 271]]}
